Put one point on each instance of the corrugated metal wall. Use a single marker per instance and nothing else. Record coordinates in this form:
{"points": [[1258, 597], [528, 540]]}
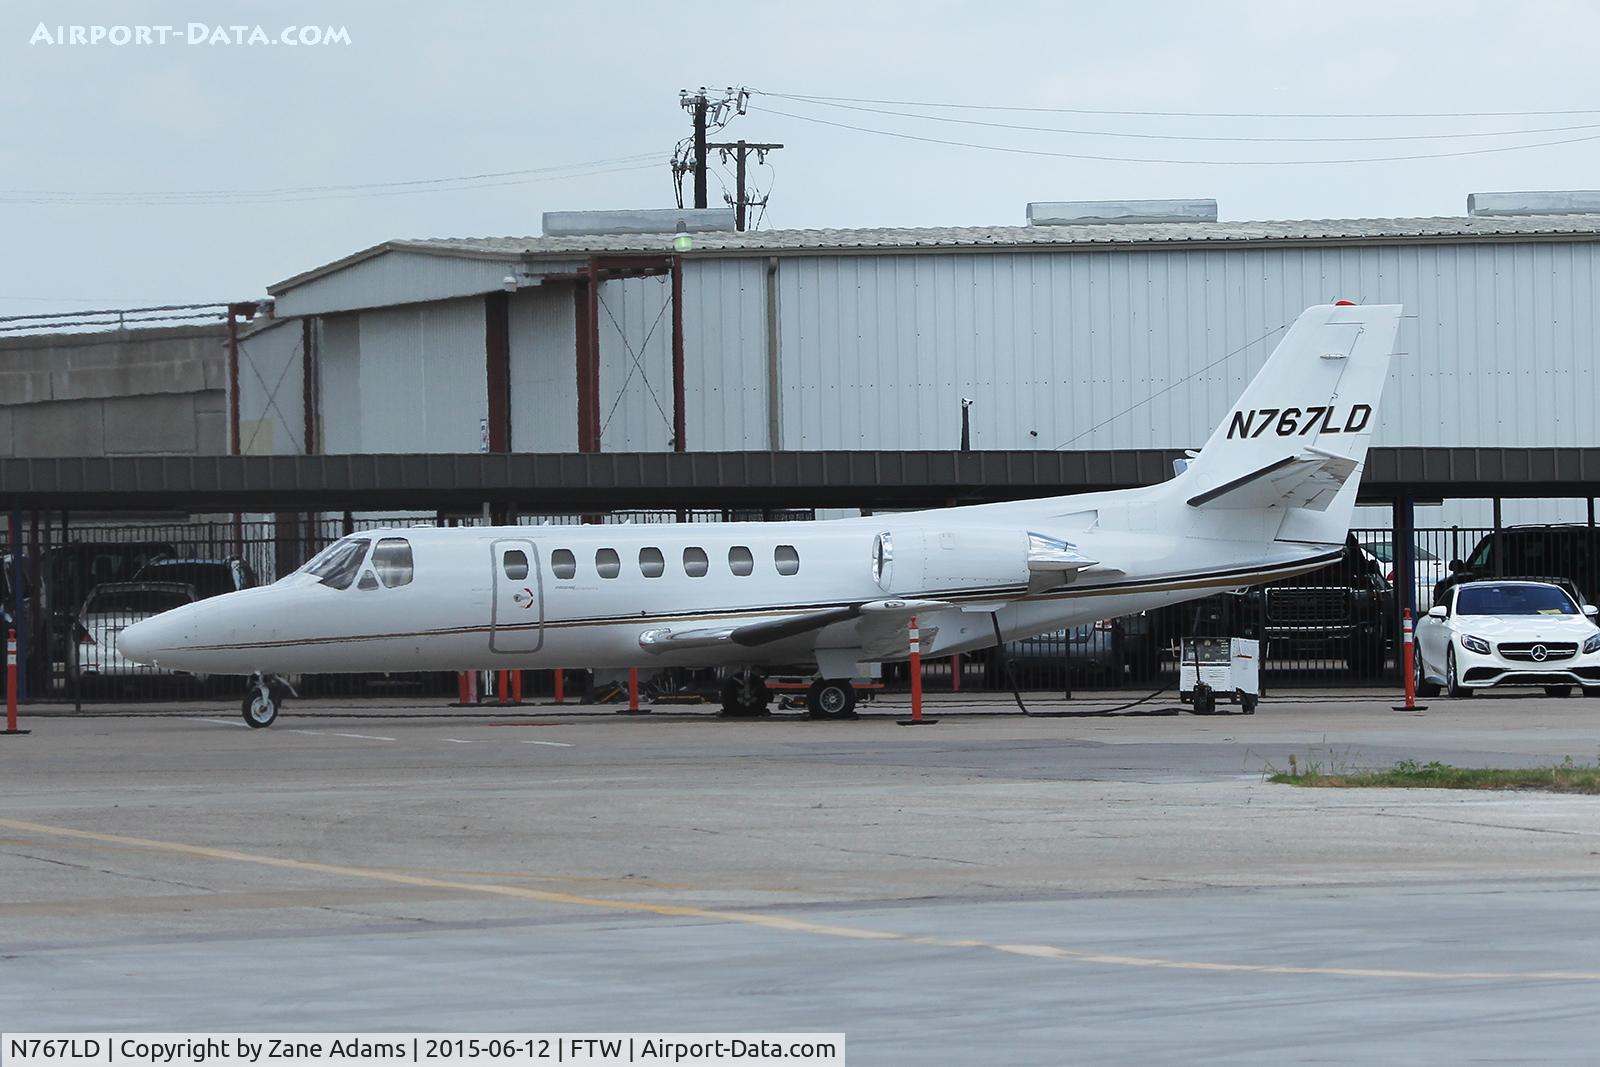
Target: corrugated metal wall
{"points": [[271, 391], [422, 378], [1094, 348], [544, 379], [725, 354], [339, 371], [636, 365]]}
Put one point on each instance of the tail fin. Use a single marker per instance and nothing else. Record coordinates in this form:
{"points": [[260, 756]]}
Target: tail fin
{"points": [[1296, 440]]}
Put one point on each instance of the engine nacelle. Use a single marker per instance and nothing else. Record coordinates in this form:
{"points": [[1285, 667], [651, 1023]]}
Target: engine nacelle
{"points": [[960, 559]]}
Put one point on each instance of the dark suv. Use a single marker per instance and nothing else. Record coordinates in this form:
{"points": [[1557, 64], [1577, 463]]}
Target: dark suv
{"points": [[1344, 609], [1566, 551]]}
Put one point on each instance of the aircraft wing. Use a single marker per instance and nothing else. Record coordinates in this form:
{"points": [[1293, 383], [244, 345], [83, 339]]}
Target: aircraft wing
{"points": [[1309, 480], [874, 614]]}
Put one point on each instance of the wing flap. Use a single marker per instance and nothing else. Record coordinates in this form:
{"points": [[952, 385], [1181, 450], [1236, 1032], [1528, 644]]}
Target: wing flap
{"points": [[875, 615]]}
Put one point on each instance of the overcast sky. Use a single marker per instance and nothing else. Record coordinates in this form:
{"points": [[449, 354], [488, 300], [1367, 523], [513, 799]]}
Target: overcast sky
{"points": [[472, 88]]}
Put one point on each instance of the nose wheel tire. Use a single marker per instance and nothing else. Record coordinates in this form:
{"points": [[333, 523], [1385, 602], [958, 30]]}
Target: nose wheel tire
{"points": [[261, 706], [831, 698]]}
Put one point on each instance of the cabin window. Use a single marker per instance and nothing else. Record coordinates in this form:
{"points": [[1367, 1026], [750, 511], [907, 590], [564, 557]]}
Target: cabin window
{"points": [[652, 564], [786, 559], [607, 562], [391, 559], [741, 561], [695, 562], [339, 562], [516, 564], [563, 564]]}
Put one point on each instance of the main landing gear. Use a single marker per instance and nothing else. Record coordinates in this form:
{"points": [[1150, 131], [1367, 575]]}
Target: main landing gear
{"points": [[745, 694], [831, 698], [263, 699]]}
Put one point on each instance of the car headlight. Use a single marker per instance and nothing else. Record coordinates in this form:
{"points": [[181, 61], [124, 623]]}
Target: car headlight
{"points": [[1593, 644], [1475, 644]]}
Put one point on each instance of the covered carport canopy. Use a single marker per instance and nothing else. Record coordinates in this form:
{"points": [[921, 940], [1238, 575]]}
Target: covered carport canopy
{"points": [[570, 483]]}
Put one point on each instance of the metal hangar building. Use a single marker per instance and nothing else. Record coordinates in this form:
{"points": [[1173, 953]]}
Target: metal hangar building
{"points": [[1093, 327]]}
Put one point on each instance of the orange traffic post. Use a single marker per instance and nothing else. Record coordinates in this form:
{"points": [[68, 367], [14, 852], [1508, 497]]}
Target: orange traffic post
{"points": [[1409, 663], [915, 638], [502, 686], [561, 686], [955, 673], [11, 683], [516, 687], [633, 694]]}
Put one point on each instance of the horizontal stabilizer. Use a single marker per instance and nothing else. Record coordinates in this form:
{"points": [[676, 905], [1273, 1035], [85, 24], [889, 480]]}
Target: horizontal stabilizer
{"points": [[1308, 480]]}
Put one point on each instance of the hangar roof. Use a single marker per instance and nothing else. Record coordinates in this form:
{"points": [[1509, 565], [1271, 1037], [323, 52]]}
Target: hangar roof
{"points": [[937, 238]]}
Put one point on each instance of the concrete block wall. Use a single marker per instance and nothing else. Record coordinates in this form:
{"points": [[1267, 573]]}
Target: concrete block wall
{"points": [[120, 393]]}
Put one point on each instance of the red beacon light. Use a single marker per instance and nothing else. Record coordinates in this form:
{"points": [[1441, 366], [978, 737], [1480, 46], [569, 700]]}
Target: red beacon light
{"points": [[1344, 303]]}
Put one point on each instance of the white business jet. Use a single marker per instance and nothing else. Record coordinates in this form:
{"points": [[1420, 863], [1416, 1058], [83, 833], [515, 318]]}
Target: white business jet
{"points": [[1269, 496]]}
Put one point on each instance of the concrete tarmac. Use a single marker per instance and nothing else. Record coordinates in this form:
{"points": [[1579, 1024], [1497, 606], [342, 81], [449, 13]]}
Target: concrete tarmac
{"points": [[990, 890]]}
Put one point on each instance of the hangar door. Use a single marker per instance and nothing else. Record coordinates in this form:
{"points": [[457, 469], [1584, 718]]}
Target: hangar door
{"points": [[517, 621]]}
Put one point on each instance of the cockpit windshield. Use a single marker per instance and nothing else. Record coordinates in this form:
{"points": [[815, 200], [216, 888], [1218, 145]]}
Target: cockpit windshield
{"points": [[337, 564]]}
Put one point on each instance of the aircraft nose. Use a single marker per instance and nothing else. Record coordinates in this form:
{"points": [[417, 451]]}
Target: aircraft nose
{"points": [[136, 642], [148, 640]]}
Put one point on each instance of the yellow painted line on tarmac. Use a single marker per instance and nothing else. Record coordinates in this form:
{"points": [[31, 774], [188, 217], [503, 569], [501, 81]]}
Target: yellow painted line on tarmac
{"points": [[771, 922]]}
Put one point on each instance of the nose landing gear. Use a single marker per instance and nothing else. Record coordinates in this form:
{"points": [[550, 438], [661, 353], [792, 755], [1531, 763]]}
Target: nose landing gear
{"points": [[263, 699]]}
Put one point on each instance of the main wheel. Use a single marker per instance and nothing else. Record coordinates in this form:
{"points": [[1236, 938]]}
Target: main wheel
{"points": [[1452, 681], [1558, 690], [1425, 688], [261, 706], [831, 698], [745, 694]]}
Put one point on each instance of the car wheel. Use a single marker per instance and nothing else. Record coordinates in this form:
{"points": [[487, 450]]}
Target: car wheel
{"points": [[1424, 688], [1451, 682], [1557, 690]]}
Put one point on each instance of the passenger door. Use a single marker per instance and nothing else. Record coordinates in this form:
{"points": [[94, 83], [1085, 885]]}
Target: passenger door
{"points": [[517, 619]]}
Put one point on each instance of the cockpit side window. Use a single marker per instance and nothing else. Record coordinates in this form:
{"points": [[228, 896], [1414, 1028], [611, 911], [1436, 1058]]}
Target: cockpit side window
{"points": [[339, 562], [391, 559]]}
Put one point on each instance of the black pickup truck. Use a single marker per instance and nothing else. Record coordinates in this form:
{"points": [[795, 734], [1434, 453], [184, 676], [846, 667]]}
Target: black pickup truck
{"points": [[1343, 610]]}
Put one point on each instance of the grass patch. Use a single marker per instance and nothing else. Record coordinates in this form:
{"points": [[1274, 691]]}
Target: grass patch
{"points": [[1566, 777]]}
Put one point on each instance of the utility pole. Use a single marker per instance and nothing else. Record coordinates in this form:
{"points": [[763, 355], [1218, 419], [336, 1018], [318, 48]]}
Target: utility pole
{"points": [[741, 151], [700, 148], [710, 113]]}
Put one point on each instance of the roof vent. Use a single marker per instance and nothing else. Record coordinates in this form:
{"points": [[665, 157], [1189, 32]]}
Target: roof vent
{"points": [[1552, 202], [643, 220], [1099, 212]]}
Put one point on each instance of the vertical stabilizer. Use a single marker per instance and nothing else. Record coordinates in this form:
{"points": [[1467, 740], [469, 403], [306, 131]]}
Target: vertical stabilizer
{"points": [[1296, 440]]}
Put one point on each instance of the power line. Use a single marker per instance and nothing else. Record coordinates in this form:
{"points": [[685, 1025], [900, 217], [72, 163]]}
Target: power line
{"points": [[1194, 114], [1182, 162], [1169, 388], [1186, 136], [295, 194]]}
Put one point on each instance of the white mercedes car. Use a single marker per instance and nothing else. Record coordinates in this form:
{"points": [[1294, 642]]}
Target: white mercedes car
{"points": [[1495, 633]]}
